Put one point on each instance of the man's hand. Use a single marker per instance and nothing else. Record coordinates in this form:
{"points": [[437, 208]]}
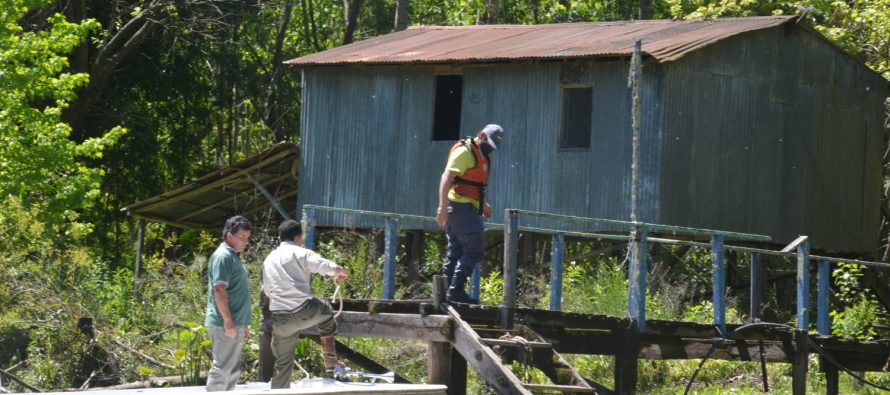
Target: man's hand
{"points": [[247, 332], [442, 216], [340, 274], [230, 328], [486, 210]]}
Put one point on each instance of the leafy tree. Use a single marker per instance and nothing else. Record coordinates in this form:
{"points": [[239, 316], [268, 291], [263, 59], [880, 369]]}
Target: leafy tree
{"points": [[38, 160]]}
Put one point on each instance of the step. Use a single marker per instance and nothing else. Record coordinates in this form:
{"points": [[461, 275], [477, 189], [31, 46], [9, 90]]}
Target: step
{"points": [[513, 343], [561, 388]]}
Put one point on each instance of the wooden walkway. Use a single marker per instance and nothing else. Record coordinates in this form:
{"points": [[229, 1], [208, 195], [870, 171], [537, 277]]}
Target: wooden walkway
{"points": [[590, 334]]}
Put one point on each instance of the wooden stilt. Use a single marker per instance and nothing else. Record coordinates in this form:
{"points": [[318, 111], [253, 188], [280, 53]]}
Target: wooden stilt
{"points": [[799, 363], [626, 359]]}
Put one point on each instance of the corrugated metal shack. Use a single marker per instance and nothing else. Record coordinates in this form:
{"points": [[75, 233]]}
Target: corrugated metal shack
{"points": [[755, 125]]}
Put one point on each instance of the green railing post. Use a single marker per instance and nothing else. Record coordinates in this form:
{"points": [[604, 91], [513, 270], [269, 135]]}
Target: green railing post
{"points": [[511, 244], [718, 273], [308, 223], [557, 250], [391, 232]]}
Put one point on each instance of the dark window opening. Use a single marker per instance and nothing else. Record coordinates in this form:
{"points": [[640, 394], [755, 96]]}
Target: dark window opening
{"points": [[446, 119], [576, 109]]}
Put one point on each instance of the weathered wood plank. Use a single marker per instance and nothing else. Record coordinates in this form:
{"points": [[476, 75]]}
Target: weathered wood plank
{"points": [[733, 350], [513, 343], [437, 328], [483, 359]]}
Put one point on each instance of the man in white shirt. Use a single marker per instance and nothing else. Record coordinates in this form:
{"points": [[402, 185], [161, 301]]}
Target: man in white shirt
{"points": [[286, 279]]}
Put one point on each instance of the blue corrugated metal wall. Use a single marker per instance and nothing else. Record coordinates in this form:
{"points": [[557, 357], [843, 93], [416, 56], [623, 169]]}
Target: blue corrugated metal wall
{"points": [[367, 141], [774, 132], [770, 132]]}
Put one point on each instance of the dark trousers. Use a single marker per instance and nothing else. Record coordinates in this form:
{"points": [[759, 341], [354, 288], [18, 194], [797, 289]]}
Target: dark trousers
{"points": [[286, 327], [465, 239]]}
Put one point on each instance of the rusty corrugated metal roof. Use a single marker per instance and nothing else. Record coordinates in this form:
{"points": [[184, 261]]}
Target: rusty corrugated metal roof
{"points": [[664, 40]]}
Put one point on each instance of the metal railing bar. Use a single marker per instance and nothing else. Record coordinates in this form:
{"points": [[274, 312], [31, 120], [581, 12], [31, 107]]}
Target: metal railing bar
{"points": [[657, 227]]}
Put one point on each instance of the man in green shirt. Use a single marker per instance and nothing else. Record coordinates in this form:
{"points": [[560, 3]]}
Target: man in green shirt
{"points": [[228, 305]]}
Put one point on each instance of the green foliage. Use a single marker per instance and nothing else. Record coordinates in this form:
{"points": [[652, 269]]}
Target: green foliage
{"points": [[862, 28], [189, 358], [39, 163], [365, 267], [856, 320]]}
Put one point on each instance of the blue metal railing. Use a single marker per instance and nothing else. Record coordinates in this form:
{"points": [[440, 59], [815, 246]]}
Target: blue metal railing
{"points": [[638, 268], [638, 239]]}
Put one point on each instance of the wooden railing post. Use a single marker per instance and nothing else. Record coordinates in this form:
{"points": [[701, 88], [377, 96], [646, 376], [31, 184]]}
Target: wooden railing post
{"points": [[803, 285], [636, 278]]}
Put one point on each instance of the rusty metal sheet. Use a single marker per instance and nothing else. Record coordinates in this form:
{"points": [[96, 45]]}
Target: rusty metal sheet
{"points": [[664, 40]]}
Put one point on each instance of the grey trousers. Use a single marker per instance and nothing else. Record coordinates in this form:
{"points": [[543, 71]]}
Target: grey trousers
{"points": [[226, 368], [285, 333]]}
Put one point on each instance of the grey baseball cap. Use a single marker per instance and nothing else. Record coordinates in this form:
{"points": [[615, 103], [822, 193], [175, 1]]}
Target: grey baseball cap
{"points": [[495, 135]]}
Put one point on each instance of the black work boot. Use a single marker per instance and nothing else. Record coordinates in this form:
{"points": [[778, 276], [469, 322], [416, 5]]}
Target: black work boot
{"points": [[456, 291]]}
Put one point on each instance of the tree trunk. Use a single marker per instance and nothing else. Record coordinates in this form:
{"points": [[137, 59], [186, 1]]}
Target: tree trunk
{"points": [[350, 12], [645, 9], [403, 8], [271, 118], [492, 7], [110, 55]]}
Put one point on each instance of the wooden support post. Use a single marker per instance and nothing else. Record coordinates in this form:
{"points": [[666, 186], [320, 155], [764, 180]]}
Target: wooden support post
{"points": [[457, 380], [511, 244], [137, 267], [756, 285], [799, 364], [718, 274], [391, 228], [443, 367], [803, 285], [309, 228], [831, 377], [628, 350], [557, 250], [636, 278]]}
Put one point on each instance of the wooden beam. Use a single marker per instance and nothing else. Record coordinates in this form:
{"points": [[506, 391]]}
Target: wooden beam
{"points": [[435, 328], [732, 350], [483, 360]]}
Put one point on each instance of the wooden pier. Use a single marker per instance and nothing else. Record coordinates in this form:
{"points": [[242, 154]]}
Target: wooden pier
{"points": [[472, 332], [464, 335]]}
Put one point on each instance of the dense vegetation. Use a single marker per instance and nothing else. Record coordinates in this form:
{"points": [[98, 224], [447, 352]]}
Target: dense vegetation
{"points": [[103, 103]]}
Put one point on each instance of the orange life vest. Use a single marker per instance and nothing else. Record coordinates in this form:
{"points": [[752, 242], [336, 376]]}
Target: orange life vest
{"points": [[472, 183]]}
